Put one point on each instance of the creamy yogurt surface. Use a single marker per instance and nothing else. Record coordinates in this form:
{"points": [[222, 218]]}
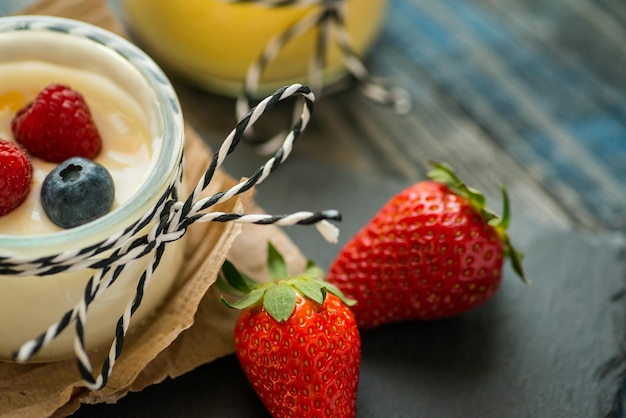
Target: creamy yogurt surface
{"points": [[139, 148], [126, 150]]}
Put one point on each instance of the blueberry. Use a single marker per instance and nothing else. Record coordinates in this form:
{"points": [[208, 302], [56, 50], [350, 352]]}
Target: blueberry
{"points": [[77, 191]]}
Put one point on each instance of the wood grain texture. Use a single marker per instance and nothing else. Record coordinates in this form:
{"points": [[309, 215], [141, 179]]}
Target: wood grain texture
{"points": [[527, 93], [543, 80], [507, 91]]}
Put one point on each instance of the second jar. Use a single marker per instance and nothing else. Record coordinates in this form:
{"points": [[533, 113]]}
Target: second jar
{"points": [[213, 43]]}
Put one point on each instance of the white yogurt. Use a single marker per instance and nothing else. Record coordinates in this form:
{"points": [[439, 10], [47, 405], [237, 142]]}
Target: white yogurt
{"points": [[141, 125], [126, 150]]}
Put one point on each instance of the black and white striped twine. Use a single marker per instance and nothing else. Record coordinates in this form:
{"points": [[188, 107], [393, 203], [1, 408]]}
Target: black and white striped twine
{"points": [[172, 218], [329, 17]]}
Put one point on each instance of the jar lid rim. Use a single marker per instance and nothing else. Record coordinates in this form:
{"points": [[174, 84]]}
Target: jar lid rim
{"points": [[172, 128]]}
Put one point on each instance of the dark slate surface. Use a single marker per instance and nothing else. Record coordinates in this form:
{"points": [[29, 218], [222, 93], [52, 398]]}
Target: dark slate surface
{"points": [[550, 349]]}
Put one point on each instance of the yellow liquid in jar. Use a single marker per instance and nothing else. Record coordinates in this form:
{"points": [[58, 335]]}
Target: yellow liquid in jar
{"points": [[213, 43]]}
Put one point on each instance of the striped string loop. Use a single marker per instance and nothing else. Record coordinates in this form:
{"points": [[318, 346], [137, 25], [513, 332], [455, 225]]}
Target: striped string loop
{"points": [[329, 17], [167, 221]]}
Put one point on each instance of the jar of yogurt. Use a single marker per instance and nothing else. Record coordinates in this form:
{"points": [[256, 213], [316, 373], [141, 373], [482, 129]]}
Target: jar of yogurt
{"points": [[213, 43], [141, 125]]}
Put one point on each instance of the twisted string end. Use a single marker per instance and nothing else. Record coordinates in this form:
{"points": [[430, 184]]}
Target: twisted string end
{"points": [[328, 231]]}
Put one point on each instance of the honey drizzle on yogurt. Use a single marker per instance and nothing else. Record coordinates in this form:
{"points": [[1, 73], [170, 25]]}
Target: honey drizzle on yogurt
{"points": [[126, 149]]}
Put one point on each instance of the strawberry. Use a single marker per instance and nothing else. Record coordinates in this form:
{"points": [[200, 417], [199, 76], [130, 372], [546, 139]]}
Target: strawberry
{"points": [[296, 341], [16, 175], [57, 125], [432, 251]]}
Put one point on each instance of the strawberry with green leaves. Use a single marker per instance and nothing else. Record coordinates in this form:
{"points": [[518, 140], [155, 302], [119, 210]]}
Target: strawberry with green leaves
{"points": [[296, 340], [433, 251]]}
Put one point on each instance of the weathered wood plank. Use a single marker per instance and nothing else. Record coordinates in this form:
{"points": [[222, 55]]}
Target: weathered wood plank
{"points": [[505, 79], [614, 9], [349, 131]]}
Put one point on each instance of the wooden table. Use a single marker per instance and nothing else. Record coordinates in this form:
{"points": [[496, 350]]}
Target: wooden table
{"points": [[530, 94]]}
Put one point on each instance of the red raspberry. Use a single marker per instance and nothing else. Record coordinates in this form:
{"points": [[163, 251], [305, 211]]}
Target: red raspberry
{"points": [[15, 176], [57, 125]]}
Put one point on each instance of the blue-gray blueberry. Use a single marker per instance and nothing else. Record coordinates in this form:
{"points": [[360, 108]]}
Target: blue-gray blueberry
{"points": [[77, 191]]}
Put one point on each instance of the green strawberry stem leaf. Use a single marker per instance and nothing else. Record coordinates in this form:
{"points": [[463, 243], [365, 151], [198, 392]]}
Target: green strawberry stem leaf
{"points": [[249, 299], [276, 264], [279, 295], [502, 224], [444, 173], [310, 289], [230, 280], [504, 220], [516, 259], [280, 301]]}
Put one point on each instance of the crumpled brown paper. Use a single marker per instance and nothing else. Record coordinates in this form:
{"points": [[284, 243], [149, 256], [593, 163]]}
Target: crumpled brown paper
{"points": [[192, 328]]}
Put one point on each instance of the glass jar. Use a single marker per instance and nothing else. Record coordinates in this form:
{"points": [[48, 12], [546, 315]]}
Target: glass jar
{"points": [[212, 43], [29, 304]]}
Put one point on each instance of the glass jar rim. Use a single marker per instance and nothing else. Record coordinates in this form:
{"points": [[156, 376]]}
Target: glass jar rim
{"points": [[170, 150]]}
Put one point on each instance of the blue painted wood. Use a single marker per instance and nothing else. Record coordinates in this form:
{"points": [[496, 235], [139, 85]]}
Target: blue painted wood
{"points": [[545, 109]]}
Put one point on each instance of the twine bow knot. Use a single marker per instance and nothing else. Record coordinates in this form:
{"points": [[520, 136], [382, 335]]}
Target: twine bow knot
{"points": [[330, 18], [170, 219]]}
